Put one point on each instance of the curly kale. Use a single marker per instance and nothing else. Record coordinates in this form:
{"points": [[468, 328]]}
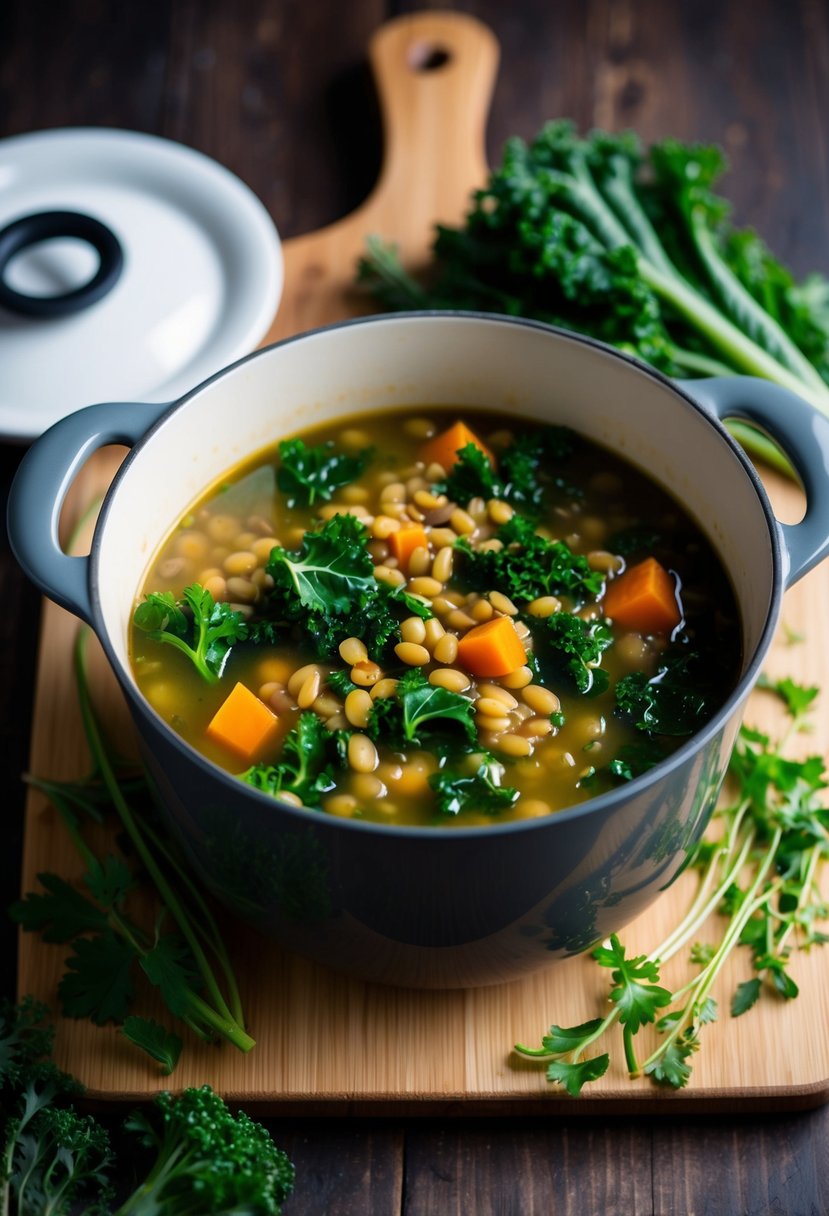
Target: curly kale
{"points": [[528, 566], [632, 246], [55, 1161]]}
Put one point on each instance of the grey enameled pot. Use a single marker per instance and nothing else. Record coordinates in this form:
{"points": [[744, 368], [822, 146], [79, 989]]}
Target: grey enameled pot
{"points": [[430, 906]]}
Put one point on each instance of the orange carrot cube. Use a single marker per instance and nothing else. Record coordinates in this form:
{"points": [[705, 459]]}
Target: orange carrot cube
{"points": [[644, 598], [243, 723], [492, 649], [443, 449]]}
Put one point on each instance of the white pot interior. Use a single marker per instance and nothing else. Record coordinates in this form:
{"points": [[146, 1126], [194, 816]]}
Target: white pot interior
{"points": [[390, 362]]}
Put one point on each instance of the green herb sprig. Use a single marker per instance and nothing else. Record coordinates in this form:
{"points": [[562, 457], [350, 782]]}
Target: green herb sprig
{"points": [[181, 953], [759, 870]]}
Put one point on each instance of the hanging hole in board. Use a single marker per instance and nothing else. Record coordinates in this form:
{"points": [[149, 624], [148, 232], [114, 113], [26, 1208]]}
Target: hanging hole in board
{"points": [[428, 57]]}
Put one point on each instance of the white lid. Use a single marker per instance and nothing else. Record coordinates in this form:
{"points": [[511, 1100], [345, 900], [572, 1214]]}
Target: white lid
{"points": [[201, 279]]}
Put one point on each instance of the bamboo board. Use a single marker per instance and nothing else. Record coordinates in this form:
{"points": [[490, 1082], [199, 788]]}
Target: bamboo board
{"points": [[326, 1043]]}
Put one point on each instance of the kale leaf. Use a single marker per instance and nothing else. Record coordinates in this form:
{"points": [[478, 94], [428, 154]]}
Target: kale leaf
{"points": [[418, 713], [528, 566], [523, 469], [676, 701], [574, 646], [631, 246], [327, 589], [306, 764], [479, 791], [311, 475]]}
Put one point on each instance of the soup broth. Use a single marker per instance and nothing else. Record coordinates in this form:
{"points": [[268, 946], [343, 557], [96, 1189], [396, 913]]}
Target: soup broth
{"points": [[436, 617]]}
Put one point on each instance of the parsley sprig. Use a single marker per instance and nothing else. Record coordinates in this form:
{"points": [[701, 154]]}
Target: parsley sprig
{"points": [[759, 870], [198, 626], [181, 952]]}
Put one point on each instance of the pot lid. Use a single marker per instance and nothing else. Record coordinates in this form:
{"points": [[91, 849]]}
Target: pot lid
{"points": [[131, 268]]}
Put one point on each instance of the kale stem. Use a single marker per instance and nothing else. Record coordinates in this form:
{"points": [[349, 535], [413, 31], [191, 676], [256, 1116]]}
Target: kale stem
{"points": [[724, 336], [221, 1018]]}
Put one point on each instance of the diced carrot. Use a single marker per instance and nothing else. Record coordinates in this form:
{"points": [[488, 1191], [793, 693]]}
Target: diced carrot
{"points": [[644, 598], [243, 723], [492, 649], [405, 540], [443, 448]]}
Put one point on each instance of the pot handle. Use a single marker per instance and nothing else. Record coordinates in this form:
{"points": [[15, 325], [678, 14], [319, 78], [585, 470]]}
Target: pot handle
{"points": [[802, 432], [40, 486]]}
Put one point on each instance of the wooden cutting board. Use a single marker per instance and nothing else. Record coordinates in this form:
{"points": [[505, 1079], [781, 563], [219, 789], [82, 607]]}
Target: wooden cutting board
{"points": [[331, 1044]]}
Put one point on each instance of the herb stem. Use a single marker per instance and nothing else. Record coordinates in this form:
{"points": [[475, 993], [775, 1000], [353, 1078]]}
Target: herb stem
{"points": [[221, 1018], [701, 985]]}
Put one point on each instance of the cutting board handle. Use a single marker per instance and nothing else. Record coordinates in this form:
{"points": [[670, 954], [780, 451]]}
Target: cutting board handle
{"points": [[435, 74]]}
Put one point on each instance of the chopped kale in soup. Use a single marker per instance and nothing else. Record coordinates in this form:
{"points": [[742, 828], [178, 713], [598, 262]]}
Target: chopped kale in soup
{"points": [[439, 619]]}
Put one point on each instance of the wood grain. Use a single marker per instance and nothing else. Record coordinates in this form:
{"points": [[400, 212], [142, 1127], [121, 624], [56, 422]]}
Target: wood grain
{"points": [[328, 1043]]}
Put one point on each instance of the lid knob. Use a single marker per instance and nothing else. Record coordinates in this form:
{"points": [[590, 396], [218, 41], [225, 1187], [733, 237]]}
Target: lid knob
{"points": [[47, 225]]}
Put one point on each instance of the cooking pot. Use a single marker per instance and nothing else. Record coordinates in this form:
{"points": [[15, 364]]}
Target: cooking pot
{"points": [[431, 906]]}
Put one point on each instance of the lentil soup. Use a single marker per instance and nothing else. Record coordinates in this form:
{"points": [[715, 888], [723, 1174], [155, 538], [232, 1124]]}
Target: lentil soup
{"points": [[451, 619]]}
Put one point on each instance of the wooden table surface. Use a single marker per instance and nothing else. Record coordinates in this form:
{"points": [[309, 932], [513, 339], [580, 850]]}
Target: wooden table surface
{"points": [[278, 91]]}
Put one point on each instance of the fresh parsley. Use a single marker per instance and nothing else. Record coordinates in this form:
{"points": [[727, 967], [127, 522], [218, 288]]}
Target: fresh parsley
{"points": [[198, 626], [759, 870], [180, 950]]}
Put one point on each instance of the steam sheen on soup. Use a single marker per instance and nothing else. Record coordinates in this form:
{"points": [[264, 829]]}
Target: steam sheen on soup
{"points": [[436, 617]]}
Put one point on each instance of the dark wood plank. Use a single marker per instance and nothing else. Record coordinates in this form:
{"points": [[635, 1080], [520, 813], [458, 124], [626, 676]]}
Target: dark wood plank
{"points": [[776, 1166], [280, 94], [343, 1168], [519, 1167]]}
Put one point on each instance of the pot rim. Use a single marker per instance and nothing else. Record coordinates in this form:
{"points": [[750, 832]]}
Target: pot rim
{"points": [[591, 806]]}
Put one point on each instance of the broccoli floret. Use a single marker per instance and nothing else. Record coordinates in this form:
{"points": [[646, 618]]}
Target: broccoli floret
{"points": [[55, 1161], [207, 1160]]}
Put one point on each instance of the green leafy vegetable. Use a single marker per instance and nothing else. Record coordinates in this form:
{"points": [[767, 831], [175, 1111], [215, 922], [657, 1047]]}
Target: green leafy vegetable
{"points": [[576, 646], [329, 572], [633, 247], [482, 790], [523, 469], [305, 768], [311, 475], [199, 627], [419, 712], [327, 589], [188, 964], [206, 1159], [676, 701], [759, 868], [54, 1161], [528, 566]]}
